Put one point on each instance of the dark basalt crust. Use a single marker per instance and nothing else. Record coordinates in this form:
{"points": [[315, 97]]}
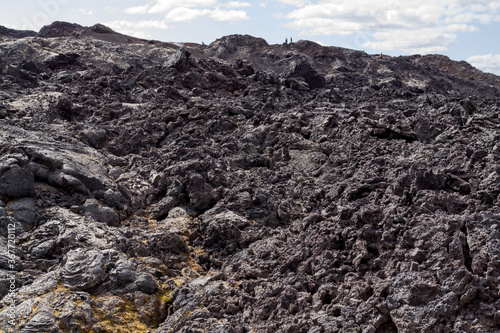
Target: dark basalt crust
{"points": [[245, 187]]}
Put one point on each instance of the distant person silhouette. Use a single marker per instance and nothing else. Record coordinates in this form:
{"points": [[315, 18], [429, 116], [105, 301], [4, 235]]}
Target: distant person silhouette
{"points": [[291, 40], [286, 40]]}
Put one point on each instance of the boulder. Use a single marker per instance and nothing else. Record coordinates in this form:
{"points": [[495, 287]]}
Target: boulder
{"points": [[303, 69], [202, 195], [17, 183], [161, 209], [21, 77], [24, 212], [62, 60], [179, 60], [222, 230], [146, 283], [94, 209], [84, 269], [123, 273]]}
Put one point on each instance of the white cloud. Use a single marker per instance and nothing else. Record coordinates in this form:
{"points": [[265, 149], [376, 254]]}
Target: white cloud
{"points": [[136, 28], [228, 15], [164, 6], [494, 5], [471, 17], [296, 3], [85, 12], [487, 63], [137, 10], [109, 9], [461, 28], [236, 4], [421, 41], [413, 25], [326, 26], [183, 14], [187, 10]]}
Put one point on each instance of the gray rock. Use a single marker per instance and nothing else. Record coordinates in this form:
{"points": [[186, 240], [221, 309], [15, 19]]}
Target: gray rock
{"points": [[114, 199], [17, 183], [24, 211], [223, 230], [96, 137], [146, 283], [84, 269], [114, 173], [66, 181], [497, 318], [179, 60], [162, 208], [202, 196], [101, 214], [41, 250], [42, 322], [305, 70], [20, 77], [123, 273]]}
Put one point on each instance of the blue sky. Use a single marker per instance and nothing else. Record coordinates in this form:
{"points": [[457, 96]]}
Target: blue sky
{"points": [[461, 29]]}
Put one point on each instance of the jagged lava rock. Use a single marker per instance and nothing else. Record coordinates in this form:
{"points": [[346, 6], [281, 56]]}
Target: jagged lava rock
{"points": [[241, 186]]}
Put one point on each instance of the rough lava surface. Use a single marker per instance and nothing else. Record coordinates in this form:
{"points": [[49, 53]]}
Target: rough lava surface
{"points": [[245, 187]]}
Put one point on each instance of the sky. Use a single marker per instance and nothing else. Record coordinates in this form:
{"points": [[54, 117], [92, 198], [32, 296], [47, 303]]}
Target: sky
{"points": [[461, 29]]}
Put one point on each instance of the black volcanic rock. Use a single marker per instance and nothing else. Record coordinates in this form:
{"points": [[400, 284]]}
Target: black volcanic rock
{"points": [[179, 60], [59, 29], [99, 29], [242, 186], [4, 31], [19, 76], [306, 71], [233, 43], [17, 183], [104, 33], [62, 60]]}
